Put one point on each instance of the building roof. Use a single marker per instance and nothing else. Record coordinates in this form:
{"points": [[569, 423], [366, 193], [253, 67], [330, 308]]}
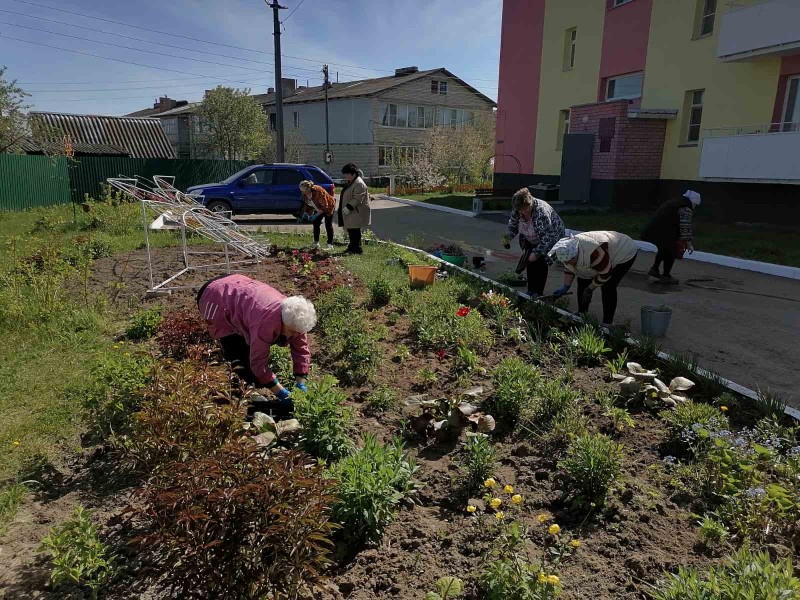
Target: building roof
{"points": [[96, 134], [346, 89]]}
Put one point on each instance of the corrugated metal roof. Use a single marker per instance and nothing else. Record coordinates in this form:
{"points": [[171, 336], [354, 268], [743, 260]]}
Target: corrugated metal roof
{"points": [[140, 138], [30, 147]]}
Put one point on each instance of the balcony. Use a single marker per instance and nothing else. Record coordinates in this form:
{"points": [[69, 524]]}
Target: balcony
{"points": [[759, 28], [758, 154]]}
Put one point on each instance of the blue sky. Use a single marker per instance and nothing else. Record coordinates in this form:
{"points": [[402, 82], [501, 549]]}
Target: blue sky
{"points": [[371, 37]]}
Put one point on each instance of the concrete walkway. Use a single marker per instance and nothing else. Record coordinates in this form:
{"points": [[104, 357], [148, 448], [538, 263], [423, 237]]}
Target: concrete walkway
{"points": [[747, 328]]}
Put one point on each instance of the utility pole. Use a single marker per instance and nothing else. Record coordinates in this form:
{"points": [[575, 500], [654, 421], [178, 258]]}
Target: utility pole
{"points": [[280, 154], [326, 85]]}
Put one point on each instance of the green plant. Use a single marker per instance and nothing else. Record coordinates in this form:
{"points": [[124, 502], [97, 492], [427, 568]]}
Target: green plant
{"points": [[769, 404], [380, 293], [499, 309], [265, 518], [280, 362], [588, 345], [382, 398], [617, 364], [402, 352], [566, 426], [325, 420], [646, 350], [712, 532], [358, 357], [372, 482], [180, 333], [592, 464], [334, 309], [392, 318], [144, 324], [11, 497], [690, 426], [465, 360], [77, 554], [447, 588], [427, 376], [620, 418], [551, 398], [479, 462], [437, 321], [515, 383], [745, 575]]}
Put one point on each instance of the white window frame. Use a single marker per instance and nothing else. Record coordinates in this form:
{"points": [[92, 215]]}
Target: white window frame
{"points": [[705, 14], [794, 123], [435, 86], [691, 105], [616, 3], [443, 88], [392, 155], [563, 127], [570, 48], [629, 75]]}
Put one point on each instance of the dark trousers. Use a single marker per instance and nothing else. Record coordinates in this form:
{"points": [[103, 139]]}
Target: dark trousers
{"points": [[355, 241], [666, 254], [537, 275], [236, 351], [608, 289], [317, 224]]}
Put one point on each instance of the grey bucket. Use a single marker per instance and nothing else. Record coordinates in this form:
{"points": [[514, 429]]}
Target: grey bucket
{"points": [[655, 320]]}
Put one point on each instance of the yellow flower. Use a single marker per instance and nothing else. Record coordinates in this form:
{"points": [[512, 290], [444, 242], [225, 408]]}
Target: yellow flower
{"points": [[490, 483], [500, 515], [723, 408], [553, 529], [553, 579], [16, 443], [575, 543], [542, 577], [508, 489], [116, 345], [471, 508], [543, 518], [516, 499], [495, 503]]}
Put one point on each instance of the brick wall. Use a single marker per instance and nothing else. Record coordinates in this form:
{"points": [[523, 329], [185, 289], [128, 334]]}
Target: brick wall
{"points": [[624, 148]]}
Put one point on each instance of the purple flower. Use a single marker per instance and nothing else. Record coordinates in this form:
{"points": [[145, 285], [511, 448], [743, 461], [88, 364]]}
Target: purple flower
{"points": [[758, 492], [670, 460]]}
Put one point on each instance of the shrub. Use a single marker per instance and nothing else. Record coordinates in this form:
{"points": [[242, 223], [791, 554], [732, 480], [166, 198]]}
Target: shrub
{"points": [[712, 532], [588, 345], [744, 575], [382, 398], [237, 524], [358, 359], [144, 324], [188, 410], [567, 426], [325, 420], [515, 383], [334, 308], [280, 361], [592, 464], [479, 462], [690, 425], [380, 293], [436, 324], [180, 332], [372, 483], [551, 398], [77, 554]]}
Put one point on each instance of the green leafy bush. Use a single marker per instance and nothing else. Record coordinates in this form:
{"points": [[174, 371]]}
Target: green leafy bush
{"points": [[712, 532], [588, 345], [326, 421], [515, 382], [372, 483], [479, 462], [744, 576], [442, 323], [237, 524], [402, 352], [334, 309], [690, 426], [592, 464], [427, 376], [358, 359], [280, 362], [551, 398], [465, 360], [144, 324], [77, 554], [180, 333], [380, 293], [382, 398]]}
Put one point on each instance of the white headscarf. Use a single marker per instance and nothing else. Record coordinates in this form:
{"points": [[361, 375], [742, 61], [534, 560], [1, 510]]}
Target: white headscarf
{"points": [[693, 197], [565, 249]]}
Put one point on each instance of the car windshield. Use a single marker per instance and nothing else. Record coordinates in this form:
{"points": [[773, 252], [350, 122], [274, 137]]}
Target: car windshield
{"points": [[235, 176]]}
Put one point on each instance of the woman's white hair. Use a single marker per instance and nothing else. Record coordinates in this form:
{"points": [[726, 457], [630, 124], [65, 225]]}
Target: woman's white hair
{"points": [[306, 185], [298, 314]]}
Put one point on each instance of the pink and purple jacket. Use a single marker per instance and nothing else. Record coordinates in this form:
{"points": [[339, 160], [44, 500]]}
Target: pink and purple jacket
{"points": [[239, 305]]}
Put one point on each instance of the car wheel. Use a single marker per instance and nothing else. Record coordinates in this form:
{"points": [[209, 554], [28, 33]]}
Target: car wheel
{"points": [[219, 206]]}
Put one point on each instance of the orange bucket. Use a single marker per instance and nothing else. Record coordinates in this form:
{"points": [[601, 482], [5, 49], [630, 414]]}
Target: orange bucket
{"points": [[421, 275]]}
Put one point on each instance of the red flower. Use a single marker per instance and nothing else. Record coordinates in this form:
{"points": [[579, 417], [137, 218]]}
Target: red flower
{"points": [[463, 311], [441, 353], [295, 252]]}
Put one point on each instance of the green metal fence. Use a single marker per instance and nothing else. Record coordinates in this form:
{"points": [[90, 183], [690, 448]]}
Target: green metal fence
{"points": [[30, 181]]}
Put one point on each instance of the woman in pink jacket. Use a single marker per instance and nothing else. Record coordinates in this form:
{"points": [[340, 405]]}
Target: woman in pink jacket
{"points": [[248, 317]]}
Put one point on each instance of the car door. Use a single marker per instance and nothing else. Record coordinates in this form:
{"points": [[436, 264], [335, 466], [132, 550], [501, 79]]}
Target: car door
{"points": [[285, 189], [252, 192]]}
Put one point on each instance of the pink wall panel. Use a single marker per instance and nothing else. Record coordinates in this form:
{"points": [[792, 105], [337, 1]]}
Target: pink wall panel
{"points": [[518, 93], [626, 33]]}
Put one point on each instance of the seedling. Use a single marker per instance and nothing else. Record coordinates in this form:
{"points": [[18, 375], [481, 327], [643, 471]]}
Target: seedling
{"points": [[447, 588]]}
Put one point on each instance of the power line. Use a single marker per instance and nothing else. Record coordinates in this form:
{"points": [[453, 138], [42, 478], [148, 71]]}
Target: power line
{"points": [[293, 11]]}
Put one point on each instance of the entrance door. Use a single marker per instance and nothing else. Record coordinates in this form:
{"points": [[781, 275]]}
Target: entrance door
{"points": [[791, 113], [576, 168]]}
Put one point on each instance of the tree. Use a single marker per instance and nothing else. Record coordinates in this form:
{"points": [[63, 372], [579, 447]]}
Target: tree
{"points": [[294, 148], [13, 121], [461, 154], [234, 124]]}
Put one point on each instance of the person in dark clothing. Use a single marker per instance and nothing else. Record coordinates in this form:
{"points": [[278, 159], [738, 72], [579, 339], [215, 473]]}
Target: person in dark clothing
{"points": [[539, 227], [670, 230], [354, 210]]}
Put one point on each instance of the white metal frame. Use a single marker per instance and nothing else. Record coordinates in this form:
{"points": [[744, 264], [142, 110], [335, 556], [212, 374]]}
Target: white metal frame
{"points": [[176, 210]]}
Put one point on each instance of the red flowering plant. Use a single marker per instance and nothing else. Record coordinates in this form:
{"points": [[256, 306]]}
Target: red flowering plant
{"points": [[463, 311]]}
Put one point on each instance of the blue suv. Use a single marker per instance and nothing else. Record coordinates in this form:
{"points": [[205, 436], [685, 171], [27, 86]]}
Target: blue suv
{"points": [[261, 189]]}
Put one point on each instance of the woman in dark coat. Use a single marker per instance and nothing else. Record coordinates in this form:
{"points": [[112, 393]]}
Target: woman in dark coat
{"points": [[671, 224]]}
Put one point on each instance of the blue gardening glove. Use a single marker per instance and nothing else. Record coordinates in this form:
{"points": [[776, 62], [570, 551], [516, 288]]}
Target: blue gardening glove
{"points": [[302, 387], [283, 394], [562, 291]]}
